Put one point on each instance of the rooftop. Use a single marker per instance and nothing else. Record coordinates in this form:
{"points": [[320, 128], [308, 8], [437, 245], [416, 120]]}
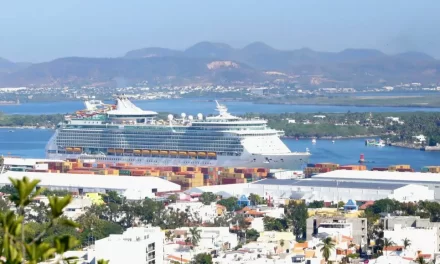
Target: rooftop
{"points": [[331, 184], [92, 181], [382, 176]]}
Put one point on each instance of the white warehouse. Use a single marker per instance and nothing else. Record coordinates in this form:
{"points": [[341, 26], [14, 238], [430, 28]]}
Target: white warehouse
{"points": [[430, 180], [84, 183]]}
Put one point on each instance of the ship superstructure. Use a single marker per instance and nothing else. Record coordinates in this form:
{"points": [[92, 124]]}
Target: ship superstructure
{"points": [[126, 133]]}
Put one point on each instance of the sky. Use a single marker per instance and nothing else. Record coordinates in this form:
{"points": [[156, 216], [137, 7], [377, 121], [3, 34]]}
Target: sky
{"points": [[43, 30]]}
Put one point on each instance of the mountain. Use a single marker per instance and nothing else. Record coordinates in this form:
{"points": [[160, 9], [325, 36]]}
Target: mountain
{"points": [[152, 52], [254, 64], [106, 71], [209, 50], [7, 66]]}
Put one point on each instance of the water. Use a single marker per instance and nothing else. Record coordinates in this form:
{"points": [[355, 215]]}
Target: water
{"points": [[191, 106], [30, 143]]}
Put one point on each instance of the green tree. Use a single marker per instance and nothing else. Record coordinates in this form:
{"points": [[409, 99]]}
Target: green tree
{"points": [[274, 224], [15, 249], [195, 235], [230, 203], [172, 198], [297, 216], [207, 198], [387, 243], [327, 247], [420, 260], [406, 243], [255, 199], [202, 258], [316, 204], [252, 234]]}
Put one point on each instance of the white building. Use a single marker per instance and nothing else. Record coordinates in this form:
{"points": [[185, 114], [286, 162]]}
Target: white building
{"points": [[425, 240], [427, 180], [137, 245], [85, 183]]}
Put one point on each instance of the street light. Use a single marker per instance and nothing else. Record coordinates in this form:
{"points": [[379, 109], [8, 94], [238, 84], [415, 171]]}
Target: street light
{"points": [[181, 259]]}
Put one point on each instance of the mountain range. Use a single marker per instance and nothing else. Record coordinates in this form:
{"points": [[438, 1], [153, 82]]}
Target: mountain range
{"points": [[219, 63]]}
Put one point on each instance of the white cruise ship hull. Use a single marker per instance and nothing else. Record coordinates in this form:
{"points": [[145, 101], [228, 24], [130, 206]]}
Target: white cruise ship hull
{"points": [[291, 161]]}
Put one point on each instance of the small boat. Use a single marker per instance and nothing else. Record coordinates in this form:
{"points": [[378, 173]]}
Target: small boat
{"points": [[333, 141], [11, 131], [314, 141]]}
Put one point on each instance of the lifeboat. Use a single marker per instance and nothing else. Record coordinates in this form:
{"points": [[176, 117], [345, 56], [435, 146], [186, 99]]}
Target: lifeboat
{"points": [[137, 151], [191, 153], [145, 152], [128, 151], [154, 152], [76, 149], [212, 154], [174, 153], [69, 149], [110, 150], [183, 153], [163, 152], [201, 154], [119, 150]]}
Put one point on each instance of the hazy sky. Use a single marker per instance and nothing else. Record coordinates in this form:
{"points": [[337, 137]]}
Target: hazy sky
{"points": [[47, 29]]}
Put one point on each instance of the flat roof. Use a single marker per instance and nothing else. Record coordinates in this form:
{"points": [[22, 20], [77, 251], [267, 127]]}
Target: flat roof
{"points": [[331, 184], [90, 181], [410, 177]]}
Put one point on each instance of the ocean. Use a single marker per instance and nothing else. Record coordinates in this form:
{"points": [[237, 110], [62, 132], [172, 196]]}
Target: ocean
{"points": [[194, 106], [30, 143]]}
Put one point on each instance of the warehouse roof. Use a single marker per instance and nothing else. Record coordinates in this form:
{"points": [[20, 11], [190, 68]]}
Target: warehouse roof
{"points": [[14, 161], [381, 176], [93, 181], [332, 184]]}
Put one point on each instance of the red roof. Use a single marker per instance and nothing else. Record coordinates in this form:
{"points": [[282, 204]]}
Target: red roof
{"points": [[366, 205]]}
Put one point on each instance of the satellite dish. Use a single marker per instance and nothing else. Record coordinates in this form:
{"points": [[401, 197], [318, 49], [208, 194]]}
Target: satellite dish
{"points": [[199, 116], [170, 117], [183, 115], [190, 117]]}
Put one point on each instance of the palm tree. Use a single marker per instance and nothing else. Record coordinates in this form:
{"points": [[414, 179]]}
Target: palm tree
{"points": [[327, 246], [406, 243], [195, 235], [282, 243], [420, 260], [387, 243]]}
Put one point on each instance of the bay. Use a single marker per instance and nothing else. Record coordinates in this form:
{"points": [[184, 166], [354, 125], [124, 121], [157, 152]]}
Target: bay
{"points": [[30, 143], [194, 106]]}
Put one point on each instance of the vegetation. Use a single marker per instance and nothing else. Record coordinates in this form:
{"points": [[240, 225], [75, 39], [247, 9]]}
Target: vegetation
{"points": [[26, 241], [296, 215], [255, 199], [207, 198], [195, 235], [327, 246], [202, 258], [358, 124], [230, 203], [29, 120], [252, 235], [316, 204], [274, 224], [406, 243]]}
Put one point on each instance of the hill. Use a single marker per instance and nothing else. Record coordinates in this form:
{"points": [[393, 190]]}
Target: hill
{"points": [[209, 62], [157, 70]]}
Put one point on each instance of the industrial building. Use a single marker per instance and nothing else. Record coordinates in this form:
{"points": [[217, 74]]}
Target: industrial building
{"points": [[84, 183], [430, 180], [324, 190]]}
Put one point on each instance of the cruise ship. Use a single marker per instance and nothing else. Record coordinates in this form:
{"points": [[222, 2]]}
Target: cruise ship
{"points": [[125, 133]]}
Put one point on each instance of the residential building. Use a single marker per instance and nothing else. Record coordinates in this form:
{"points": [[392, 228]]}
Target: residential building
{"points": [[355, 228], [137, 245]]}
